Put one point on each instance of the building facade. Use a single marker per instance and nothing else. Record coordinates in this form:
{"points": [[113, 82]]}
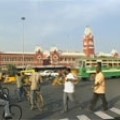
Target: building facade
{"points": [[54, 57], [40, 58]]}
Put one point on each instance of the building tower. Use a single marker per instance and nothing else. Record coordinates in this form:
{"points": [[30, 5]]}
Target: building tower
{"points": [[88, 43]]}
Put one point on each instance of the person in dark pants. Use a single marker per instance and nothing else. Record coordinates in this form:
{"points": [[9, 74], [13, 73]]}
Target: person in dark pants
{"points": [[99, 90], [19, 84], [4, 102]]}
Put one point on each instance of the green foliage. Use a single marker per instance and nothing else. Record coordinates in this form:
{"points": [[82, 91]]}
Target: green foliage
{"points": [[11, 69]]}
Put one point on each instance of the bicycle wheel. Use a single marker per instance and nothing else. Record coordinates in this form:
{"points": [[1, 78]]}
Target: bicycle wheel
{"points": [[16, 111], [27, 93], [28, 97], [40, 102]]}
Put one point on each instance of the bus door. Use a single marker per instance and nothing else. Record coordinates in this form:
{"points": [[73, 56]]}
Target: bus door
{"points": [[83, 66], [99, 63]]}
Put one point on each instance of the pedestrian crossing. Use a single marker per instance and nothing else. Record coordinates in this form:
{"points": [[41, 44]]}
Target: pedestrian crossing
{"points": [[83, 117], [102, 115], [116, 110]]}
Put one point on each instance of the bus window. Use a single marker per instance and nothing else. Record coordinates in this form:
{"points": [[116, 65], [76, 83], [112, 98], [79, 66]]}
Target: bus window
{"points": [[80, 63], [93, 64], [83, 67], [110, 65]]}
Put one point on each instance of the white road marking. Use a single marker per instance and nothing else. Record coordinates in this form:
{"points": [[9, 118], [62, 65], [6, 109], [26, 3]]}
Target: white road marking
{"points": [[103, 115], [64, 119], [115, 110], [83, 117]]}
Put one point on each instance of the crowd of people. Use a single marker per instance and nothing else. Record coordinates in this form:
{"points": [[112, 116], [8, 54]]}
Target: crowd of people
{"points": [[69, 81]]}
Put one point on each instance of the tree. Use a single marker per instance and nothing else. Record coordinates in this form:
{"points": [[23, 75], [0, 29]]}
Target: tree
{"points": [[11, 69]]}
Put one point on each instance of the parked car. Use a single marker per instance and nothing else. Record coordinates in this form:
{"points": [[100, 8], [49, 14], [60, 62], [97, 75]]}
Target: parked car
{"points": [[54, 74], [49, 73], [45, 73]]}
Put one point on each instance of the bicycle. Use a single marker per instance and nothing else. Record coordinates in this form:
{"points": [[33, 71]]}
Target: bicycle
{"points": [[25, 93], [15, 110], [39, 101]]}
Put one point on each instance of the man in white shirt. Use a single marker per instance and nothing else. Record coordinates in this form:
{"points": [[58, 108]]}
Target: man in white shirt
{"points": [[69, 89]]}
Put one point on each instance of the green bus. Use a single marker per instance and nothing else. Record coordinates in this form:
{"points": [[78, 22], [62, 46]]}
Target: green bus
{"points": [[110, 67]]}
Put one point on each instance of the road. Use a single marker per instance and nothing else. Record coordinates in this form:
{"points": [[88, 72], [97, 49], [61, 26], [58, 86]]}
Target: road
{"points": [[53, 103]]}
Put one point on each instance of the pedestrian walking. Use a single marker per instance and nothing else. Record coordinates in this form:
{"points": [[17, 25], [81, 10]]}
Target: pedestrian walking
{"points": [[99, 90], [69, 89]]}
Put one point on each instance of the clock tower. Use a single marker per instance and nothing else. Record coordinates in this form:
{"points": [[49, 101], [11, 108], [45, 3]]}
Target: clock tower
{"points": [[88, 43]]}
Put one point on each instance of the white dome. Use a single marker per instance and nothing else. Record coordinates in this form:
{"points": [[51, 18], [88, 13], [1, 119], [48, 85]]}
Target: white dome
{"points": [[104, 54], [113, 52], [88, 31], [37, 48], [54, 49]]}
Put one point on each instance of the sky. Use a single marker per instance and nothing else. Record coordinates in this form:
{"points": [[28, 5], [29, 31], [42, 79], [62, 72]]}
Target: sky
{"points": [[58, 23]]}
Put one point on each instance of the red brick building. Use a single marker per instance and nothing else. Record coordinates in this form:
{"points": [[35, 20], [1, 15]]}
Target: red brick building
{"points": [[40, 58], [51, 58]]}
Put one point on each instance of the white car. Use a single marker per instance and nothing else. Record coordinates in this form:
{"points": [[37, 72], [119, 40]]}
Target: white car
{"points": [[45, 73], [54, 74], [49, 73]]}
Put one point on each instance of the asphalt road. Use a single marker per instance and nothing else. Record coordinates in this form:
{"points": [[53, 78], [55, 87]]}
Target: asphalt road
{"points": [[83, 94]]}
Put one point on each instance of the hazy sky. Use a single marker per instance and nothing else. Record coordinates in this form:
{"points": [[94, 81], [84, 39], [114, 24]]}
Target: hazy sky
{"points": [[59, 23]]}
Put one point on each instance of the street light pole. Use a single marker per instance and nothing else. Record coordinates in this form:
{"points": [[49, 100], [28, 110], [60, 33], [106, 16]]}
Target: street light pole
{"points": [[23, 19]]}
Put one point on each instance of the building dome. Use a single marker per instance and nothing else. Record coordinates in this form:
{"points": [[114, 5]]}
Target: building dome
{"points": [[53, 49], [88, 31], [114, 53], [102, 54], [37, 48]]}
